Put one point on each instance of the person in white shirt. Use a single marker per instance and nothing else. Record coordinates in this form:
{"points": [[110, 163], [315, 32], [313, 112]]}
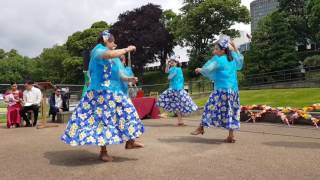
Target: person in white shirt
{"points": [[31, 101], [58, 103]]}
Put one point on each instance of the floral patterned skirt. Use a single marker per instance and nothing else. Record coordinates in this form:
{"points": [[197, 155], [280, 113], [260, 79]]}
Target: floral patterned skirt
{"points": [[103, 118], [222, 110], [177, 101]]}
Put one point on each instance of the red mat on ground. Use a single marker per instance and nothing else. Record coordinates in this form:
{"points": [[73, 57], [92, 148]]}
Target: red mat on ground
{"points": [[146, 107]]}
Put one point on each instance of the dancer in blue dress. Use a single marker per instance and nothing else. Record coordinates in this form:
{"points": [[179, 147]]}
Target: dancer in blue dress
{"points": [[223, 106], [105, 115], [176, 99], [127, 71]]}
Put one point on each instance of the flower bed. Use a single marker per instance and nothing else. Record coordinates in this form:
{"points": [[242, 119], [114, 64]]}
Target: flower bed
{"points": [[261, 113]]}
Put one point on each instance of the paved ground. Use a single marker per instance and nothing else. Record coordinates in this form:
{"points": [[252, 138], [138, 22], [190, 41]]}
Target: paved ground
{"points": [[263, 151]]}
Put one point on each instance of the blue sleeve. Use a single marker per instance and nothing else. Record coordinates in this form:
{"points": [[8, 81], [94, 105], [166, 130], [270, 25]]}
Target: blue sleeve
{"points": [[99, 51], [129, 72], [208, 69], [238, 58], [172, 73], [122, 70]]}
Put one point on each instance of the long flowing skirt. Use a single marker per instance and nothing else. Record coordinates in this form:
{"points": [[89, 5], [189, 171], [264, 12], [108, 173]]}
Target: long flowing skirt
{"points": [[222, 110], [13, 115], [176, 101], [103, 118]]}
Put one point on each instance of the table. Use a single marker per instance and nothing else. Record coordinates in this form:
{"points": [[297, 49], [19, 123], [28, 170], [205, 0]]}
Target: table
{"points": [[146, 107]]}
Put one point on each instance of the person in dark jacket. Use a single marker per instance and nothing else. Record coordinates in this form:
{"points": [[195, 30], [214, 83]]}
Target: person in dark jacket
{"points": [[58, 103]]}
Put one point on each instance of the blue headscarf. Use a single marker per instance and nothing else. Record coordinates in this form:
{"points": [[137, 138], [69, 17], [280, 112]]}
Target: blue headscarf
{"points": [[224, 42], [106, 35]]}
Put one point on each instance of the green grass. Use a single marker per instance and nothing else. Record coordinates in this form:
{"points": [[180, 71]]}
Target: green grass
{"points": [[3, 118], [3, 105], [298, 98]]}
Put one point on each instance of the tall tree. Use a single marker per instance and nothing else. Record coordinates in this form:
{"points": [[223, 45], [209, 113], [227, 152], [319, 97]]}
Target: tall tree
{"points": [[273, 45], [50, 64], [296, 11], [313, 13], [202, 20], [144, 28], [15, 67], [86, 39]]}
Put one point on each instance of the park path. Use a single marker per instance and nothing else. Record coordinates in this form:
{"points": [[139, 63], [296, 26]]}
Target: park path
{"points": [[263, 151]]}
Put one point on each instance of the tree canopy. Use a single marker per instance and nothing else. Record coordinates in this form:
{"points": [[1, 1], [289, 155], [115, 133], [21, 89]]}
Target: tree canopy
{"points": [[144, 28]]}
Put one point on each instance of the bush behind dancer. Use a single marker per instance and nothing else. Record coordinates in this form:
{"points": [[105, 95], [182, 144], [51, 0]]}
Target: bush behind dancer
{"points": [[105, 115], [175, 99], [223, 106]]}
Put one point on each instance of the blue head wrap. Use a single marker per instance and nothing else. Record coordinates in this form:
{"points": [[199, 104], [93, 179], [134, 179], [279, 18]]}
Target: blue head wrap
{"points": [[224, 41], [106, 35]]}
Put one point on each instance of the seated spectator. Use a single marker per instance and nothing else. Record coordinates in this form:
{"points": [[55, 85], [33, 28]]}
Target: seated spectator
{"points": [[58, 103], [13, 97], [32, 97]]}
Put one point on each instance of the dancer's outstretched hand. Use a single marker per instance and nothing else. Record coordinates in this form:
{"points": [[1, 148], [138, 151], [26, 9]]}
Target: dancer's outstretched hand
{"points": [[134, 80], [131, 48], [198, 70]]}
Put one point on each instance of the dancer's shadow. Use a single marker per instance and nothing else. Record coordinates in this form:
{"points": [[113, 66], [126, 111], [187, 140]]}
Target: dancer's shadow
{"points": [[306, 145], [191, 139], [161, 125], [79, 158]]}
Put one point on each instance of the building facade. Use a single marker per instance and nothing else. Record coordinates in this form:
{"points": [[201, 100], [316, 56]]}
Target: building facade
{"points": [[260, 9]]}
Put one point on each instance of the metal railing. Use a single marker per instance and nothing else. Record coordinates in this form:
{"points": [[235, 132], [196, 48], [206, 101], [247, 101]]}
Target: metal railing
{"points": [[311, 73]]}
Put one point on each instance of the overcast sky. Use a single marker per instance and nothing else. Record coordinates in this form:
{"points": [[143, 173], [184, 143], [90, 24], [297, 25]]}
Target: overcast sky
{"points": [[31, 25]]}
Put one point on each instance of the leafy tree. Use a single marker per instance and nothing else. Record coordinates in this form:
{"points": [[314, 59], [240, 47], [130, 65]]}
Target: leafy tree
{"points": [[144, 28], [202, 20], [313, 13], [50, 64], [296, 11], [86, 39], [14, 67], [273, 45], [73, 67]]}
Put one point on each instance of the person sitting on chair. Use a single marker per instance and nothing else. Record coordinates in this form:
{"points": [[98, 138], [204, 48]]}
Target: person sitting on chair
{"points": [[57, 103], [31, 101]]}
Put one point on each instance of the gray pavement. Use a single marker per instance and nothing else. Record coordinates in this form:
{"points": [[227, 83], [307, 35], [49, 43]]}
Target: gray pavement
{"points": [[263, 151]]}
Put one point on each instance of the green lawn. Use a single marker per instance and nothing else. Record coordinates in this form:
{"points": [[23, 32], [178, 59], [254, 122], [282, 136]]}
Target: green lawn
{"points": [[276, 97], [2, 118], [273, 97]]}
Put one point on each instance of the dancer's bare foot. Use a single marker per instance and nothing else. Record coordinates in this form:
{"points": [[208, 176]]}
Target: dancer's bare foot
{"points": [[132, 144], [230, 139], [198, 131], [105, 157]]}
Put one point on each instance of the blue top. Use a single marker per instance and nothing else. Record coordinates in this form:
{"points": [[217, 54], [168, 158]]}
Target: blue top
{"points": [[223, 72], [127, 71], [117, 85], [176, 78], [104, 73]]}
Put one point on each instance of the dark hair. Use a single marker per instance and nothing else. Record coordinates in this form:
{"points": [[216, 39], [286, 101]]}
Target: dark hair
{"points": [[227, 52], [12, 83], [101, 41], [29, 82], [56, 88]]}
